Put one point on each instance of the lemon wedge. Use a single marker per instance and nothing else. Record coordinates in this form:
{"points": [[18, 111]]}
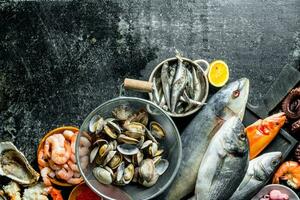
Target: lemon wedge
{"points": [[218, 73]]}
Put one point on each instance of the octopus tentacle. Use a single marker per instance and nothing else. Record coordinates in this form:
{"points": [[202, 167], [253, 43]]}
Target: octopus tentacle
{"points": [[291, 104], [296, 126]]}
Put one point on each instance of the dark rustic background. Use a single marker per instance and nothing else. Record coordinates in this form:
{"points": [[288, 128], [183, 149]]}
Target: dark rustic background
{"points": [[59, 60]]}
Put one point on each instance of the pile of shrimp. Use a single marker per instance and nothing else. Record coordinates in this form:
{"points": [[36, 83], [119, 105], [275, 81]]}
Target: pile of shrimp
{"points": [[57, 158]]}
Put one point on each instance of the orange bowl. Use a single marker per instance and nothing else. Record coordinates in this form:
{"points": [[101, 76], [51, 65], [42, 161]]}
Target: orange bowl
{"points": [[41, 145], [77, 190]]}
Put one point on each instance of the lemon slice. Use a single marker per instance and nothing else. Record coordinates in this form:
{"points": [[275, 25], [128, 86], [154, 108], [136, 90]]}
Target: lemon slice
{"points": [[218, 74]]}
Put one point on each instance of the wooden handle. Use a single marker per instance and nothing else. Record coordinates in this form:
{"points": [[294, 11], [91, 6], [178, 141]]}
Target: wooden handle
{"points": [[141, 86]]}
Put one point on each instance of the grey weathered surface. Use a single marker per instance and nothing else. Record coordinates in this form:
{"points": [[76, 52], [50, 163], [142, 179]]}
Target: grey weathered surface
{"points": [[59, 60]]}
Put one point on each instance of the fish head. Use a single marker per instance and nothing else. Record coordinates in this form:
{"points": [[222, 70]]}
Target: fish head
{"points": [[273, 123], [232, 98], [235, 141], [267, 163]]}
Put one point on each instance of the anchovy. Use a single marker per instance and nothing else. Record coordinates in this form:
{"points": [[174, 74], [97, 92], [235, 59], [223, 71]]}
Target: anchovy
{"points": [[259, 172], [196, 136], [190, 85], [179, 84], [155, 92], [165, 83], [196, 88], [224, 163]]}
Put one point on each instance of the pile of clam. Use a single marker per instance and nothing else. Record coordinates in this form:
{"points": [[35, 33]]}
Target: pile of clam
{"points": [[126, 148]]}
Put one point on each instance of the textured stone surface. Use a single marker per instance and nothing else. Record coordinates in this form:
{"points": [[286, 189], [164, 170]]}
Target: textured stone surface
{"points": [[59, 60]]}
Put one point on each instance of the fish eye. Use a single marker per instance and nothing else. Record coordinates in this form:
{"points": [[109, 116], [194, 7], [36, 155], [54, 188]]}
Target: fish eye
{"points": [[242, 136], [235, 94], [274, 162]]}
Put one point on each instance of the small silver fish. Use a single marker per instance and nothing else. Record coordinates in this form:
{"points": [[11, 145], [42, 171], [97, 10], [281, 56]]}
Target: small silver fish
{"points": [[197, 85], [165, 83], [259, 172], [190, 85], [155, 92], [179, 84], [224, 163]]}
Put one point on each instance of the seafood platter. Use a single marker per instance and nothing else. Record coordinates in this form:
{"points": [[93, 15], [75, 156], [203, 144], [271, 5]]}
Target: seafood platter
{"points": [[129, 148]]}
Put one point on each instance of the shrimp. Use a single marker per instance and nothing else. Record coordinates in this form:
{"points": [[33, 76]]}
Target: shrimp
{"points": [[77, 175], [83, 151], [73, 166], [289, 171], [54, 166], [65, 173], [55, 142], [84, 142], [41, 159], [73, 142], [73, 158], [62, 156], [68, 134], [75, 181], [84, 161], [44, 173]]}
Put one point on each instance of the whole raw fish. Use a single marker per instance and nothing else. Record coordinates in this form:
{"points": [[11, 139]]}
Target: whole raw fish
{"points": [[165, 83], [196, 136], [224, 163], [262, 132], [179, 83], [258, 173]]}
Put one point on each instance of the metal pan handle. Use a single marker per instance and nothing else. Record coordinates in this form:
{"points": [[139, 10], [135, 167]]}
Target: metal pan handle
{"points": [[203, 64]]}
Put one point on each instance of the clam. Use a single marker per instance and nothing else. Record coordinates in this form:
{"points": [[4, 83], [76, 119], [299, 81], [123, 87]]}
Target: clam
{"points": [[141, 142], [102, 175], [113, 145], [153, 149], [110, 171], [96, 150], [128, 173], [122, 112], [127, 158], [146, 144], [114, 126], [120, 173], [136, 127], [137, 158], [135, 135], [156, 159], [115, 160], [104, 149], [128, 140], [94, 154], [142, 117], [109, 156], [150, 136], [147, 169], [127, 149], [109, 132], [159, 152], [100, 142], [161, 166], [96, 124], [152, 181], [15, 166], [156, 130], [135, 175]]}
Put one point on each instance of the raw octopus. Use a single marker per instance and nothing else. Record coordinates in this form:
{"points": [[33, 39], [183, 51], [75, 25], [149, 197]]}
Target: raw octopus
{"points": [[275, 195], [291, 106], [57, 158]]}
